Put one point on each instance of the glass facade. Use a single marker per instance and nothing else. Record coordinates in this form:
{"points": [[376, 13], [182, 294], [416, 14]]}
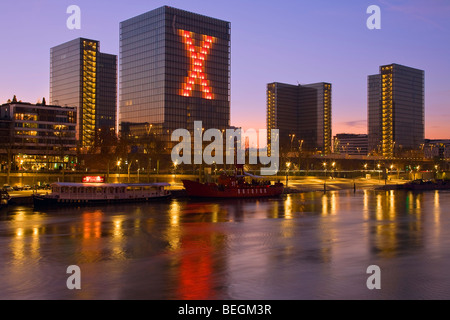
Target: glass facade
{"points": [[82, 76], [174, 70], [374, 113], [106, 104], [396, 110], [302, 114]]}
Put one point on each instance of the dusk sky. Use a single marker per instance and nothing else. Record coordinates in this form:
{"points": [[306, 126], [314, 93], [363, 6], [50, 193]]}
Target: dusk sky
{"points": [[271, 41]]}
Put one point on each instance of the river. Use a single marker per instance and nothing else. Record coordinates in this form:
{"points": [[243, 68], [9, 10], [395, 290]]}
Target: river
{"points": [[312, 245]]}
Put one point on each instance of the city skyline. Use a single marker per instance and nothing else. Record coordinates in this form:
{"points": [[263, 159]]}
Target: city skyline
{"points": [[266, 46]]}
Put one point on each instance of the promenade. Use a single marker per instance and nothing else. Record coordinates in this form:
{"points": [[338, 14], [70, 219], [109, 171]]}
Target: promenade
{"points": [[294, 185]]}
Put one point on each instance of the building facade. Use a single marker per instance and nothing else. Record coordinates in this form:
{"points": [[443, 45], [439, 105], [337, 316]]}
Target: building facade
{"points": [[437, 149], [396, 110], [351, 144], [83, 77], [174, 70], [302, 114], [37, 136]]}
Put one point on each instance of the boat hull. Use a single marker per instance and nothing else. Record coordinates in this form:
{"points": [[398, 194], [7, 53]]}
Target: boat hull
{"points": [[212, 190], [418, 186], [45, 201]]}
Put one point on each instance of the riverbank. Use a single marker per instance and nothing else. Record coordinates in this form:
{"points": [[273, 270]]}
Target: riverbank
{"points": [[298, 185]]}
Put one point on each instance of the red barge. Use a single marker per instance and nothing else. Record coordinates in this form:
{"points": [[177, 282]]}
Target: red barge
{"points": [[234, 186]]}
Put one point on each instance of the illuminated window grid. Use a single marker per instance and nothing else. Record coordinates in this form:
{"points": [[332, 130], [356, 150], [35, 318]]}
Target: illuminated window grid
{"points": [[387, 112], [327, 119], [270, 116], [89, 92], [196, 74]]}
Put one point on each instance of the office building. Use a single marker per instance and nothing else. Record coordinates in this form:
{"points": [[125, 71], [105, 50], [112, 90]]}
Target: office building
{"points": [[83, 77], [395, 110], [302, 114], [174, 70], [37, 136]]}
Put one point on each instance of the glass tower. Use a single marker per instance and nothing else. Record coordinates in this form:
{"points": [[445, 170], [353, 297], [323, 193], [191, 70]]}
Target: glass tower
{"points": [[302, 114], [82, 76], [174, 70], [396, 110]]}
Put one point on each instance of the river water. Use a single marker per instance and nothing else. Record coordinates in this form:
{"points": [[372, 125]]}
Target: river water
{"points": [[301, 246]]}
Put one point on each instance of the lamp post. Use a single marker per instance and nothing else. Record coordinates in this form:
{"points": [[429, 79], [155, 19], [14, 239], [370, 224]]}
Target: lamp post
{"points": [[118, 168], [300, 151], [333, 165], [325, 177], [288, 164], [175, 164], [291, 135]]}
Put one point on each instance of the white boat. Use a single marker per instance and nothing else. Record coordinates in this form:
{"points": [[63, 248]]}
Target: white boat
{"points": [[73, 194]]}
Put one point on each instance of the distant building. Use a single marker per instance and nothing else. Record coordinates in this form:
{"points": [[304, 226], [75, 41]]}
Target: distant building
{"points": [[437, 149], [351, 144], [82, 76], [302, 114], [36, 136], [395, 110], [175, 69]]}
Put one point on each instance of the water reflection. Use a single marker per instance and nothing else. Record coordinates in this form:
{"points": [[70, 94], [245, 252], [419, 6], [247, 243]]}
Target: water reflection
{"points": [[398, 227], [241, 249]]}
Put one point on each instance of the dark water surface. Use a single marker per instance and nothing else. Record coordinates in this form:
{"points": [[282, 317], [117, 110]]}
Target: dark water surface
{"points": [[302, 246]]}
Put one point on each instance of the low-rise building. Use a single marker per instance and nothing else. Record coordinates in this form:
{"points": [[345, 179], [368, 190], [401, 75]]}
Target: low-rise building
{"points": [[437, 149], [37, 136]]}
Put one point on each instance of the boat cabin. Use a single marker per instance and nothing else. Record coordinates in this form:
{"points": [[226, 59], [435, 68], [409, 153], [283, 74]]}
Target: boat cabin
{"points": [[108, 191]]}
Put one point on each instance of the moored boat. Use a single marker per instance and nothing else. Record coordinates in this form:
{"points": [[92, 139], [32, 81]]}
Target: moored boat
{"points": [[73, 194], [419, 185], [234, 186], [4, 198]]}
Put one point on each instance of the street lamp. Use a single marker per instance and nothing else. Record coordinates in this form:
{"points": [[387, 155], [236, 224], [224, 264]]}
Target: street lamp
{"points": [[291, 135], [333, 164], [288, 164], [175, 164]]}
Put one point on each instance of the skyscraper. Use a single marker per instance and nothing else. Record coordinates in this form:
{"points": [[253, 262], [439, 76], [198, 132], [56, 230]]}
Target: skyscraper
{"points": [[82, 76], [174, 70], [302, 114], [395, 110]]}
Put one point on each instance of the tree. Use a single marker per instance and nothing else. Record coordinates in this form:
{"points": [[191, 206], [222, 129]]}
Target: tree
{"points": [[7, 143], [107, 142], [152, 146]]}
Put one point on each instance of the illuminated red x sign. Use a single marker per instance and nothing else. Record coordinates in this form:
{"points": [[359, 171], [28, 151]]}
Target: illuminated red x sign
{"points": [[196, 74]]}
